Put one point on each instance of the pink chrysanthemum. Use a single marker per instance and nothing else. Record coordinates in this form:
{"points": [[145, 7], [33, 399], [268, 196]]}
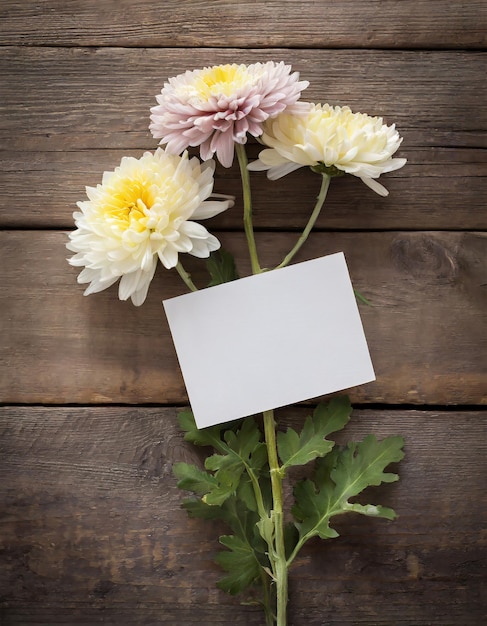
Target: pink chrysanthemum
{"points": [[216, 107]]}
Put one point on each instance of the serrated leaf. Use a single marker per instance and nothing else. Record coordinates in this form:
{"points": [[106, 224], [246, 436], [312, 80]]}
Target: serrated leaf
{"points": [[242, 451], [227, 483], [243, 522], [227, 462], [362, 465], [373, 510], [240, 562], [197, 508], [245, 442], [339, 476], [246, 495], [246, 547], [191, 478], [313, 510], [199, 437], [238, 451], [221, 267], [300, 449]]}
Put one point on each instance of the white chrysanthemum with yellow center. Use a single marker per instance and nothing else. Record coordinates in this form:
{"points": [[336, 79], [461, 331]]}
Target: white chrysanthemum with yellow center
{"points": [[143, 211], [330, 137], [216, 107]]}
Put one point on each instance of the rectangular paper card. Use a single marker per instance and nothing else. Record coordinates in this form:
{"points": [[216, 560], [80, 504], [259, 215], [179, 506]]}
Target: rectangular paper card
{"points": [[269, 340]]}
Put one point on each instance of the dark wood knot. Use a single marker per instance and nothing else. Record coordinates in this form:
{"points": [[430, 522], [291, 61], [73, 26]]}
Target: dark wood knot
{"points": [[425, 258]]}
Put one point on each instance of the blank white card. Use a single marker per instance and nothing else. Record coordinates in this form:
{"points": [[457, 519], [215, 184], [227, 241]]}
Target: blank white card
{"points": [[269, 340]]}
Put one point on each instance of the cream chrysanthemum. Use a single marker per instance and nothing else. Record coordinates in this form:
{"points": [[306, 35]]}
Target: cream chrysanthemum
{"points": [[139, 213], [216, 107], [327, 138]]}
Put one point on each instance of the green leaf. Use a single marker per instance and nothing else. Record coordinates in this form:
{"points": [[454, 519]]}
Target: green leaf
{"points": [[238, 451], [291, 537], [361, 298], [221, 267], [247, 549], [199, 437], [243, 522], [344, 473], [266, 529], [313, 510], [243, 450], [235, 512], [191, 478], [245, 494], [234, 488], [240, 562], [362, 464], [227, 483], [195, 507], [300, 449], [373, 510]]}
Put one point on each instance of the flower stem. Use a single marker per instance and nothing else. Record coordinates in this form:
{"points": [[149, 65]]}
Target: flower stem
{"points": [[266, 604], [277, 552], [186, 277], [247, 202], [325, 183], [278, 559]]}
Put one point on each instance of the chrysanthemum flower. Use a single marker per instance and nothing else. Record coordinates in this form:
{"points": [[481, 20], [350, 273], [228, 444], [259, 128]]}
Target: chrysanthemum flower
{"points": [[333, 140], [142, 211], [216, 107]]}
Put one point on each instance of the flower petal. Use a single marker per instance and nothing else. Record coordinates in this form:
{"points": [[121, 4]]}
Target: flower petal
{"points": [[216, 107], [354, 143], [210, 208], [140, 213], [375, 186]]}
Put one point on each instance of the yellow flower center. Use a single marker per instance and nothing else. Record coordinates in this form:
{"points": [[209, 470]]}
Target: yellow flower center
{"points": [[125, 205], [220, 80]]}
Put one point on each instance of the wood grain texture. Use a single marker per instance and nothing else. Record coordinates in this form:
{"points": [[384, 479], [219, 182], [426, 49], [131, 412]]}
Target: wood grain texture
{"points": [[426, 329], [440, 188], [221, 23], [92, 530], [92, 98], [67, 105]]}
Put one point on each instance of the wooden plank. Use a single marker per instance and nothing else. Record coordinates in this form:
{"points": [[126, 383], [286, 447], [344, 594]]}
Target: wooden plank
{"points": [[426, 329], [425, 195], [92, 531], [92, 98], [279, 23], [66, 116]]}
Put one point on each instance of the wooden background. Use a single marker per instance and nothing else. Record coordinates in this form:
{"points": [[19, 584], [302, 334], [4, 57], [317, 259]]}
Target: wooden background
{"points": [[90, 525]]}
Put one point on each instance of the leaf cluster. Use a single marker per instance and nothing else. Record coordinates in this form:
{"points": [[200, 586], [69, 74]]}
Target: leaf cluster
{"points": [[221, 268], [311, 442], [343, 474], [235, 485]]}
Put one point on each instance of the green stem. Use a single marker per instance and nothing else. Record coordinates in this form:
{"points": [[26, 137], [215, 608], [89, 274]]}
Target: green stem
{"points": [[297, 548], [325, 183], [257, 492], [247, 202], [186, 277], [266, 603], [278, 559], [277, 552]]}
